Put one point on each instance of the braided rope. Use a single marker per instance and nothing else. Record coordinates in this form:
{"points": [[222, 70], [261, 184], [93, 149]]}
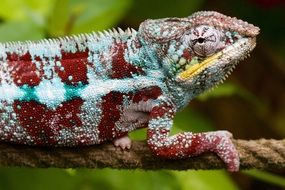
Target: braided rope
{"points": [[260, 154]]}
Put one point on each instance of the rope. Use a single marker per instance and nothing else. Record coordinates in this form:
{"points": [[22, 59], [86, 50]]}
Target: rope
{"points": [[259, 154]]}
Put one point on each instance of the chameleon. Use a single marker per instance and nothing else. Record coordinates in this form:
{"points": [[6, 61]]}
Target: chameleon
{"points": [[91, 88]]}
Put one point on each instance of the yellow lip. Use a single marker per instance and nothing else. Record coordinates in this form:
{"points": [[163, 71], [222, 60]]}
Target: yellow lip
{"points": [[194, 70]]}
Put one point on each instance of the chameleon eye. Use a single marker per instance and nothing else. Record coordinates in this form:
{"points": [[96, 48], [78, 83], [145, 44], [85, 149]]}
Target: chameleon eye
{"points": [[201, 40], [204, 40]]}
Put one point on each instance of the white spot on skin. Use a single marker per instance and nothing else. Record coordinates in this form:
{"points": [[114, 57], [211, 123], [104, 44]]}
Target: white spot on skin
{"points": [[91, 114], [58, 63], [175, 57], [50, 92], [45, 49], [102, 87], [10, 92], [69, 45]]}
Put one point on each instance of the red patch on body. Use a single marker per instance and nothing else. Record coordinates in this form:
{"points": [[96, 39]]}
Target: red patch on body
{"points": [[15, 57], [161, 110], [43, 124], [120, 67], [110, 115], [152, 93], [197, 141], [73, 68], [146, 94], [182, 146], [187, 55], [22, 70], [163, 151]]}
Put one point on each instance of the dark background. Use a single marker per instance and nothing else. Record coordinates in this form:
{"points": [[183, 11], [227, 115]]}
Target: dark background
{"points": [[250, 104]]}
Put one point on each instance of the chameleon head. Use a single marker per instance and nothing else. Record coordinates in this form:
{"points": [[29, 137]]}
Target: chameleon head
{"points": [[201, 50]]}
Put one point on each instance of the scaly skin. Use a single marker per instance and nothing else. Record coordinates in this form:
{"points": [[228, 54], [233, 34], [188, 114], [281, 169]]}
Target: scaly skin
{"points": [[91, 88]]}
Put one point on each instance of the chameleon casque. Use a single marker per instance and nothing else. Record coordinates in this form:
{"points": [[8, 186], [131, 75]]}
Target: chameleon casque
{"points": [[91, 88]]}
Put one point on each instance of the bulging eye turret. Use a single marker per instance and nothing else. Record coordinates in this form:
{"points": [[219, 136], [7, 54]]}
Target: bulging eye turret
{"points": [[204, 40]]}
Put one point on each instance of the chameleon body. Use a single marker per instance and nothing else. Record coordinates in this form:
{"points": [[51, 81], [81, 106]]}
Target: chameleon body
{"points": [[92, 88]]}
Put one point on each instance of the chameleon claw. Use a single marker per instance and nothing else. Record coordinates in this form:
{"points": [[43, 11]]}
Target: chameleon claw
{"points": [[123, 142]]}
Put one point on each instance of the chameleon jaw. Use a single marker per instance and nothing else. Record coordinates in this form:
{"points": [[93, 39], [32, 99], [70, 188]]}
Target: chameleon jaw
{"points": [[197, 68], [229, 55]]}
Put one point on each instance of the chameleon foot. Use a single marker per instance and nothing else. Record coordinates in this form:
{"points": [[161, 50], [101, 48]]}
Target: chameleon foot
{"points": [[225, 149], [123, 142]]}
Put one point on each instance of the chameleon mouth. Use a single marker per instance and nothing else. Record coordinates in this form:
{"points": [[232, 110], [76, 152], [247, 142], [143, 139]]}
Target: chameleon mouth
{"points": [[229, 55]]}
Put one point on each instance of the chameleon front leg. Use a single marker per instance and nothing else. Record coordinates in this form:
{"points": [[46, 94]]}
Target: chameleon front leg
{"points": [[187, 144]]}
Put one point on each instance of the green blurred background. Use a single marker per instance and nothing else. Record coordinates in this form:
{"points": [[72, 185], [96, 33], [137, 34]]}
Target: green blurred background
{"points": [[251, 104]]}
